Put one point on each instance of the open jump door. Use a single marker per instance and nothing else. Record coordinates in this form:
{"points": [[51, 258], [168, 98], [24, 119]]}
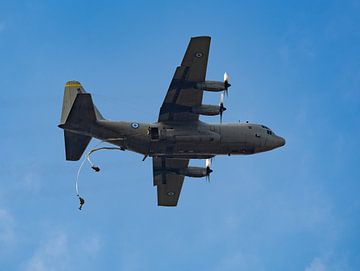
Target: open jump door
{"points": [[154, 133]]}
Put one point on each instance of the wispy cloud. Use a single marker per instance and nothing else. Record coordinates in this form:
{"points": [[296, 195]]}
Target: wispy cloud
{"points": [[52, 255], [316, 265], [59, 250], [329, 262]]}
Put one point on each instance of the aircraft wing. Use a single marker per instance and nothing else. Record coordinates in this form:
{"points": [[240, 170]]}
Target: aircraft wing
{"points": [[182, 95], [167, 181]]}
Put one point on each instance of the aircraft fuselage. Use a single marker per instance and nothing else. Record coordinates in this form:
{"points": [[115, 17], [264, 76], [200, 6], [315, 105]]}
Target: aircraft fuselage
{"points": [[188, 140]]}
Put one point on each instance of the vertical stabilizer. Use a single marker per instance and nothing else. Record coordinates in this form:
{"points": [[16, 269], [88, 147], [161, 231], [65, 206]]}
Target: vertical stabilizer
{"points": [[72, 89]]}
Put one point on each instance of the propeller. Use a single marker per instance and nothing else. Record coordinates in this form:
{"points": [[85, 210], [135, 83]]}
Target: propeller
{"points": [[208, 169], [222, 107], [226, 83]]}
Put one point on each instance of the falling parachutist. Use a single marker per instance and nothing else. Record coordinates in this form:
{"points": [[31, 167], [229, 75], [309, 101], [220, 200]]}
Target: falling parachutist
{"points": [[82, 202], [97, 169]]}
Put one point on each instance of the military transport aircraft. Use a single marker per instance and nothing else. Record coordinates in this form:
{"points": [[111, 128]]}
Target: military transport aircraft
{"points": [[177, 136]]}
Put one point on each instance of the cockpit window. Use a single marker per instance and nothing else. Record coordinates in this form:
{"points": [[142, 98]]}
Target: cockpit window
{"points": [[268, 130]]}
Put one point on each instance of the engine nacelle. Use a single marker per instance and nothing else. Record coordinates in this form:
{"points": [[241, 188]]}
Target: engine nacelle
{"points": [[206, 110], [196, 172], [214, 86]]}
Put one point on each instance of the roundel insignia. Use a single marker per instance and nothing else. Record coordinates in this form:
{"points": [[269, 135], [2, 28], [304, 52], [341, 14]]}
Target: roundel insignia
{"points": [[199, 54], [171, 193], [135, 125]]}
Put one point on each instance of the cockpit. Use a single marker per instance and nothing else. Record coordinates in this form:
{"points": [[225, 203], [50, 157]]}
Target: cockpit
{"points": [[272, 140], [268, 130], [266, 139]]}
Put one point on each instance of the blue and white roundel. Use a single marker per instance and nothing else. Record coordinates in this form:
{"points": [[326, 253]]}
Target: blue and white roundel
{"points": [[135, 125]]}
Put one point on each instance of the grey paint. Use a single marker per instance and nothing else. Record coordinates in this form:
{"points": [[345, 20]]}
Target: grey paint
{"points": [[185, 140]]}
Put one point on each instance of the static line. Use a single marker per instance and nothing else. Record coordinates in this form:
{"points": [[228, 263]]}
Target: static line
{"points": [[87, 157]]}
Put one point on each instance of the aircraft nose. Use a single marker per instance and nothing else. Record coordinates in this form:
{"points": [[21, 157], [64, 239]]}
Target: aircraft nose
{"points": [[280, 141]]}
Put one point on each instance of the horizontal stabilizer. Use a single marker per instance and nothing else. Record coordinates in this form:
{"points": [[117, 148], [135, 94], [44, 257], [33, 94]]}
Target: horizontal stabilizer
{"points": [[75, 145]]}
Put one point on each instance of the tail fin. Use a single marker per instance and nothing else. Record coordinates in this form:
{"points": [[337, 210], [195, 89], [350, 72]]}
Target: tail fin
{"points": [[72, 89], [78, 114]]}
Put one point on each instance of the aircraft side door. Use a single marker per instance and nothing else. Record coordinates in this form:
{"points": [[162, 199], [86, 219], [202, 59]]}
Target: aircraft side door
{"points": [[154, 133]]}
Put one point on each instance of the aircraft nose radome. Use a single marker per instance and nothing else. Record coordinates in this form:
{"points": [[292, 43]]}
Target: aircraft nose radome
{"points": [[281, 141]]}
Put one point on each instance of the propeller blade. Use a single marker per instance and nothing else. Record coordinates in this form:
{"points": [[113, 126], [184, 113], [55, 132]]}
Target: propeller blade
{"points": [[226, 77], [208, 168], [222, 107], [208, 163], [226, 83]]}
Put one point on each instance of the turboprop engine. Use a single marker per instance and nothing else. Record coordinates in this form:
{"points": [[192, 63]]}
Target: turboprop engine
{"points": [[197, 172], [214, 86], [207, 110], [210, 110]]}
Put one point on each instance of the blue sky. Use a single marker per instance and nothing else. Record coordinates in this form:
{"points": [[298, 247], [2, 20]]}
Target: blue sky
{"points": [[294, 66]]}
